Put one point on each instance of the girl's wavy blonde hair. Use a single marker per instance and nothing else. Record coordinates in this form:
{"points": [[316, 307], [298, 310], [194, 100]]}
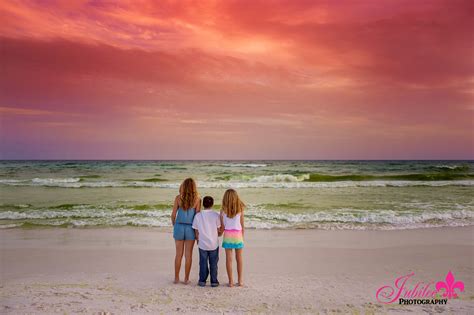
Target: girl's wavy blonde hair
{"points": [[188, 193], [231, 203]]}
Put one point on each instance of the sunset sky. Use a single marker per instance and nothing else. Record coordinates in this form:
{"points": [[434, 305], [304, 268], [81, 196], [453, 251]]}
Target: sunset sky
{"points": [[237, 79]]}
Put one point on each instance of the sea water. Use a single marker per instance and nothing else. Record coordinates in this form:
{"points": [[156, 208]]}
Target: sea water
{"points": [[278, 194]]}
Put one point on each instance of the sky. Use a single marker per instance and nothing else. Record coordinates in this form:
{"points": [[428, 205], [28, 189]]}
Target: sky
{"points": [[360, 79]]}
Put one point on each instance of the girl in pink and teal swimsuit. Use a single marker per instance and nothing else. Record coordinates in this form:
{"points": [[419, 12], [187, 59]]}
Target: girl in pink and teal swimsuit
{"points": [[232, 219]]}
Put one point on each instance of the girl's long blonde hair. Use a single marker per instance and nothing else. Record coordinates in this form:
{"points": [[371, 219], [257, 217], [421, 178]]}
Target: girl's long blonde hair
{"points": [[188, 193], [231, 203]]}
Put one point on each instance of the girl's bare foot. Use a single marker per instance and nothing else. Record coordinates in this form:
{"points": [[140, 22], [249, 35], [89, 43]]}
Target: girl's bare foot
{"points": [[186, 282], [230, 285], [176, 280], [239, 284]]}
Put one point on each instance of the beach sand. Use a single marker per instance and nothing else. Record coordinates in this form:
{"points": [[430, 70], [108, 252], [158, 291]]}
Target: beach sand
{"points": [[130, 270]]}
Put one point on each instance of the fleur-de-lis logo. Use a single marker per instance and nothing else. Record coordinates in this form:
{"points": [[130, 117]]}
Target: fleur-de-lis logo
{"points": [[449, 286]]}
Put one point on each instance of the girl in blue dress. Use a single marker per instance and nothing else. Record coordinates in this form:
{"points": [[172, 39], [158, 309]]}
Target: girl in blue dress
{"points": [[185, 207]]}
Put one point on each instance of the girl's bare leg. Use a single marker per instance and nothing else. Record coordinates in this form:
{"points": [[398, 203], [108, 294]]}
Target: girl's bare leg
{"points": [[188, 255], [177, 259], [228, 265], [238, 258]]}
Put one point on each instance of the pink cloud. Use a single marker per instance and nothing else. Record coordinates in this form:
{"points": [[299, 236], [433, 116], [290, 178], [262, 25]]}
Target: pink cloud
{"points": [[300, 79]]}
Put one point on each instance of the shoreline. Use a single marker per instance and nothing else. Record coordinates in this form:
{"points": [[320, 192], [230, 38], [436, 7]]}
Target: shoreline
{"points": [[129, 269], [169, 229]]}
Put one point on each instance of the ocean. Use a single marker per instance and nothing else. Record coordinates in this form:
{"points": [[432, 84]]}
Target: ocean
{"points": [[382, 195]]}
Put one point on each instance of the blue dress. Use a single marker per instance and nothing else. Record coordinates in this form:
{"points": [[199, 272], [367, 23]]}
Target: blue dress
{"points": [[183, 226]]}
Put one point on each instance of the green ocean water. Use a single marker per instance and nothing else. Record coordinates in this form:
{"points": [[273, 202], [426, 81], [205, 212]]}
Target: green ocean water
{"points": [[278, 194]]}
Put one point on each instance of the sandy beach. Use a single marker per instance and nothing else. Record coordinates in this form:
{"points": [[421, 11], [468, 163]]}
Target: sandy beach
{"points": [[339, 135], [129, 270]]}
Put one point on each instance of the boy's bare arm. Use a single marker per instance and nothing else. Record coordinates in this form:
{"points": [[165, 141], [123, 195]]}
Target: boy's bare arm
{"points": [[220, 224], [196, 233]]}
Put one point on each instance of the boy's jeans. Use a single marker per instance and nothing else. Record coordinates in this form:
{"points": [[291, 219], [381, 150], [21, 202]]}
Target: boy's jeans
{"points": [[213, 257]]}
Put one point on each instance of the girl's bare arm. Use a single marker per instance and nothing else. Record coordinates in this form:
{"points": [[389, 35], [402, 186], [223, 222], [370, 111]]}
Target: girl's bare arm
{"points": [[175, 209], [221, 229], [242, 222]]}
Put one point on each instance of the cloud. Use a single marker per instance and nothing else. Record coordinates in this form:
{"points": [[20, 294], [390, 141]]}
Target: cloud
{"points": [[308, 79], [23, 111]]}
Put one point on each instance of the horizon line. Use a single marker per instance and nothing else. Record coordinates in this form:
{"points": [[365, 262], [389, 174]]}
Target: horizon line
{"points": [[218, 160]]}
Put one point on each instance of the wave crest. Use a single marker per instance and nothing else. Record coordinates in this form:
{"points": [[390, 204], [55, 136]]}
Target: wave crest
{"points": [[257, 216], [264, 181], [278, 178], [252, 165]]}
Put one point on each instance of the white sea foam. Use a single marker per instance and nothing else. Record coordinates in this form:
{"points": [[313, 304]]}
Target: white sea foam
{"points": [[270, 181], [341, 184], [450, 167], [13, 181], [52, 181], [80, 212], [243, 165], [257, 216], [10, 226], [359, 219], [278, 178]]}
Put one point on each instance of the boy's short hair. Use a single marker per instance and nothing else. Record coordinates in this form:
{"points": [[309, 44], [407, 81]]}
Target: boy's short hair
{"points": [[208, 202]]}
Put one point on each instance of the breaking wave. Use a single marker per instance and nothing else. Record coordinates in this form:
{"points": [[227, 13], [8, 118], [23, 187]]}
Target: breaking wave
{"points": [[264, 181], [257, 217], [252, 165]]}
